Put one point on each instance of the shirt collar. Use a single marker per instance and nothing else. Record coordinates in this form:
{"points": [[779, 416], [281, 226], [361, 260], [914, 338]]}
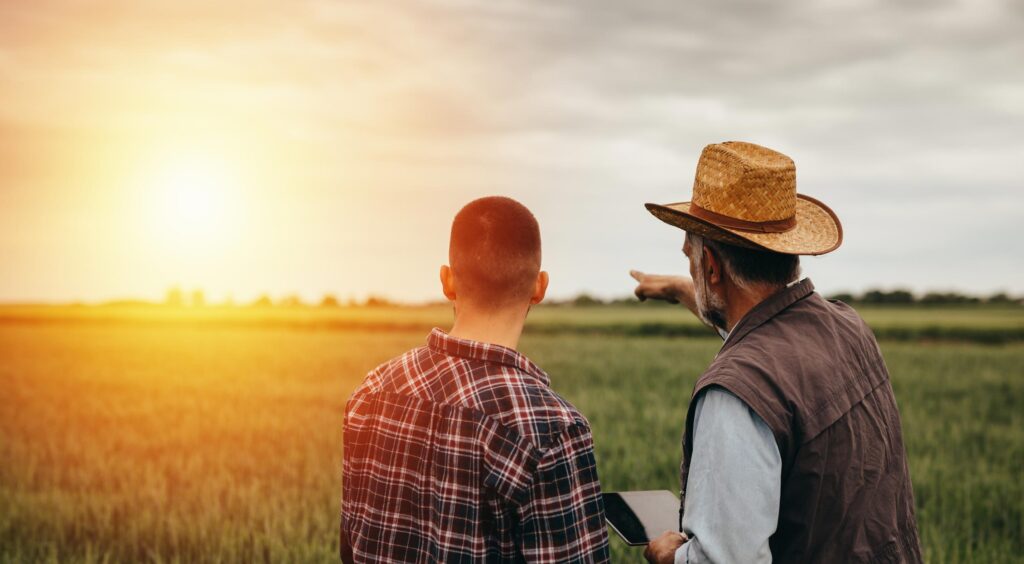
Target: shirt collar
{"points": [[767, 309], [444, 343], [725, 334]]}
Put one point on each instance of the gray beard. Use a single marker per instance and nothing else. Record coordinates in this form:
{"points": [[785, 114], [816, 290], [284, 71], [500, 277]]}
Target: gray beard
{"points": [[710, 308]]}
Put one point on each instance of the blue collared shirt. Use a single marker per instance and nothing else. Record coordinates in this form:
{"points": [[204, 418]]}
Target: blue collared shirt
{"points": [[734, 486]]}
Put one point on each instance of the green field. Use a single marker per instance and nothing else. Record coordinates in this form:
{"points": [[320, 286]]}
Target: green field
{"points": [[197, 436]]}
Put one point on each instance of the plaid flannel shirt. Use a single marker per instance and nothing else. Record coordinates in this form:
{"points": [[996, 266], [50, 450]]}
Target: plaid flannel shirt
{"points": [[459, 451]]}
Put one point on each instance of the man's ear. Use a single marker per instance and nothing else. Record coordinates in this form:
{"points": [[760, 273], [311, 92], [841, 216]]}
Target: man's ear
{"points": [[540, 287], [712, 266], [448, 282]]}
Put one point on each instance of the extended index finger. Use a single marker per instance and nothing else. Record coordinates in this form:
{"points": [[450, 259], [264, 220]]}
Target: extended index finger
{"points": [[637, 275]]}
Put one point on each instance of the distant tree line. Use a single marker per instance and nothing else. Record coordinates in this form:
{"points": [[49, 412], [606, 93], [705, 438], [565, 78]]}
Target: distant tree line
{"points": [[177, 298], [328, 301], [906, 297], [870, 297]]}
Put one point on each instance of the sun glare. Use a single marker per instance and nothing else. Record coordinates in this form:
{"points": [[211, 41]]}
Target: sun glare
{"points": [[193, 203], [192, 196]]}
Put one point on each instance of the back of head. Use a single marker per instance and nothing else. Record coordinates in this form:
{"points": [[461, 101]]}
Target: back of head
{"points": [[753, 267], [495, 252]]}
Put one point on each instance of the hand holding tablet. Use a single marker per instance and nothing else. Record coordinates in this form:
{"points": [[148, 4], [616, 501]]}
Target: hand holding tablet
{"points": [[640, 517]]}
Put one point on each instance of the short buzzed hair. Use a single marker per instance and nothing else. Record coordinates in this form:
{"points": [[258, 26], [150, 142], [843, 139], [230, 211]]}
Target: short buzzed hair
{"points": [[494, 251]]}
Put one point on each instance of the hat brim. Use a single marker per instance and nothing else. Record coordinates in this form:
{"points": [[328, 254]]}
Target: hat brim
{"points": [[817, 230]]}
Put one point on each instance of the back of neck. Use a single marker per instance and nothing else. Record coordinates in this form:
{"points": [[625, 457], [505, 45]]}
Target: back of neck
{"points": [[741, 302], [500, 327]]}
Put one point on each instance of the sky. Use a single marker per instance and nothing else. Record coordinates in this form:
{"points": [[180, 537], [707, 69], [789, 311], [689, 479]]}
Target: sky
{"points": [[324, 147]]}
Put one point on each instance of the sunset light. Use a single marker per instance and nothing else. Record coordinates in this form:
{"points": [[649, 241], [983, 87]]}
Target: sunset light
{"points": [[314, 281], [193, 201]]}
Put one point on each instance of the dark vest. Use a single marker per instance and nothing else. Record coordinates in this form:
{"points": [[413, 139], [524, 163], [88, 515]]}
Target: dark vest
{"points": [[813, 371]]}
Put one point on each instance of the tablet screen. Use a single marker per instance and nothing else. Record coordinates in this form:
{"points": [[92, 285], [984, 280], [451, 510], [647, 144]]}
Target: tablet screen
{"points": [[640, 517]]}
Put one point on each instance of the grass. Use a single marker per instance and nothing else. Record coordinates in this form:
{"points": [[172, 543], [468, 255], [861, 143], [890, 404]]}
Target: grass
{"points": [[178, 442]]}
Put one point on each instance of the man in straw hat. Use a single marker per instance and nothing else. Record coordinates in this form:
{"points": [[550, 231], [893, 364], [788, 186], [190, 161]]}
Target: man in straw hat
{"points": [[792, 449]]}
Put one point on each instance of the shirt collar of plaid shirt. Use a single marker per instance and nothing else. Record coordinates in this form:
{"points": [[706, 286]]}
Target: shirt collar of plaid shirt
{"points": [[464, 348]]}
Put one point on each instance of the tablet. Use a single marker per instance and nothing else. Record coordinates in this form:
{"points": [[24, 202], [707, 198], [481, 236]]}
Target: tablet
{"points": [[640, 517]]}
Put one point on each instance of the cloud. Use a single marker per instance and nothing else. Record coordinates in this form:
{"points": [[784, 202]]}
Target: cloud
{"points": [[896, 113]]}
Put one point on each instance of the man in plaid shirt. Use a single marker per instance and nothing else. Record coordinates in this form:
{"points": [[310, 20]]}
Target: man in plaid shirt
{"points": [[460, 451]]}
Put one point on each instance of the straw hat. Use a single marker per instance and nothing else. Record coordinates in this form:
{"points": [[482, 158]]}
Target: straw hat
{"points": [[745, 195]]}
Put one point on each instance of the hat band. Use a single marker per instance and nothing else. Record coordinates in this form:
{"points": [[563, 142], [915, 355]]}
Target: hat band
{"points": [[776, 226]]}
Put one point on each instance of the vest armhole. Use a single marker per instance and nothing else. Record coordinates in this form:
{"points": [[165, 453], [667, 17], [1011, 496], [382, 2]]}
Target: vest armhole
{"points": [[749, 396]]}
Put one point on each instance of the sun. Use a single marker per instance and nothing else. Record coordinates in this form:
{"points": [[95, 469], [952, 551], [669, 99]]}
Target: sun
{"points": [[192, 198]]}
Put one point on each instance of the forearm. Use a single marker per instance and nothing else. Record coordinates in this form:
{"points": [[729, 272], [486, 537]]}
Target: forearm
{"points": [[683, 292], [666, 287]]}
